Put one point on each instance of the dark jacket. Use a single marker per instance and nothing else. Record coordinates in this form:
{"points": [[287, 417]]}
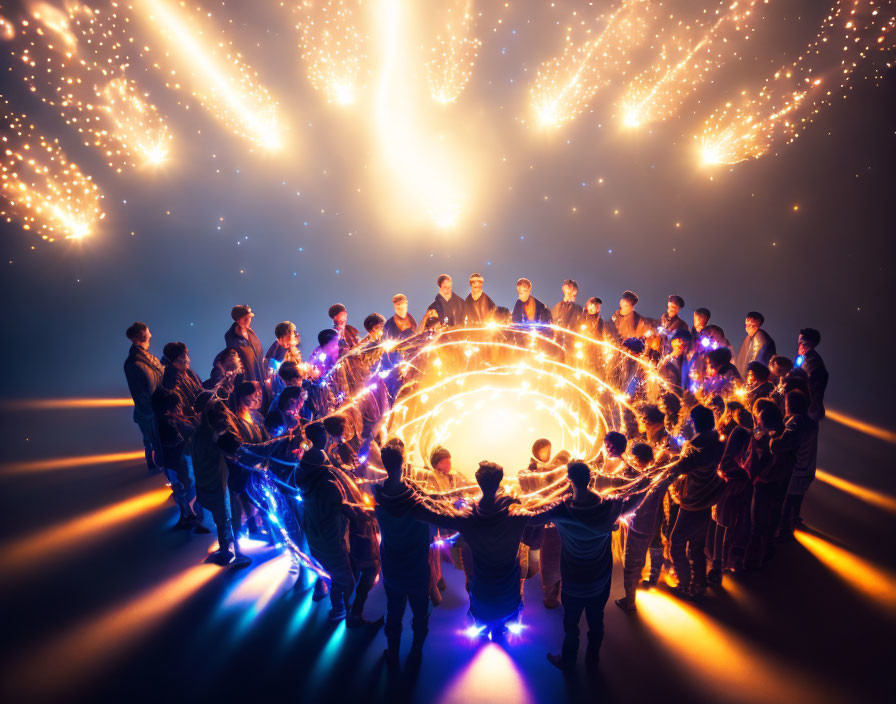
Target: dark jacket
{"points": [[186, 384], [797, 445], [451, 310], [324, 520], [734, 501], [813, 364], [699, 485], [404, 546], [675, 371], [758, 348], [671, 325], [623, 327], [480, 311], [567, 315], [542, 314], [250, 353], [143, 372], [594, 325]]}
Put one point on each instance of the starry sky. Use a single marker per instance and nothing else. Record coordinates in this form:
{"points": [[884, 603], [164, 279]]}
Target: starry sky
{"points": [[803, 234]]}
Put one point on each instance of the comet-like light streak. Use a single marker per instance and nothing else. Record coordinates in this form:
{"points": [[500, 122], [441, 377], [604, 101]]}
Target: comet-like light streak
{"points": [[57, 404], [42, 190], [749, 126], [875, 498], [875, 431], [684, 63], [219, 78], [454, 52], [69, 462]]}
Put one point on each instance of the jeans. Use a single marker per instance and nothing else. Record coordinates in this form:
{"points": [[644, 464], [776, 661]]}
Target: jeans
{"points": [[636, 545], [219, 506], [396, 601], [572, 613], [686, 547], [182, 487], [150, 440], [765, 514]]}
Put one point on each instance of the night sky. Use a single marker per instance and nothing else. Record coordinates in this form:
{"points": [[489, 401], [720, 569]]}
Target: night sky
{"points": [[804, 234]]}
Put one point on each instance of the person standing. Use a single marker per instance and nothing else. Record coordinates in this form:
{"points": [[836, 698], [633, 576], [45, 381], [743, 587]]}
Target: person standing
{"points": [[758, 346], [567, 313], [143, 372], [449, 307], [479, 308], [243, 339], [626, 322], [528, 310]]}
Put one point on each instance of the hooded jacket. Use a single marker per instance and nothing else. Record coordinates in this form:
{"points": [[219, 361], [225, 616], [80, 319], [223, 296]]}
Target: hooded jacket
{"points": [[404, 546], [250, 353], [698, 485], [143, 372]]}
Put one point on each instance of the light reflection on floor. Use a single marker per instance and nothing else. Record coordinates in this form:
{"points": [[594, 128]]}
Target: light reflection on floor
{"points": [[491, 677], [69, 462], [876, 498]]}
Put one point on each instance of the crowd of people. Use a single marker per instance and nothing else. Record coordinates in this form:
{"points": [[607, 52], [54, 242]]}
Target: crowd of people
{"points": [[703, 471]]}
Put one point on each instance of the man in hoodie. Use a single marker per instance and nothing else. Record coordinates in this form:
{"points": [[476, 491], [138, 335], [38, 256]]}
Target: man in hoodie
{"points": [[143, 372], [449, 307], [695, 490], [585, 523], [479, 309], [404, 554], [241, 337]]}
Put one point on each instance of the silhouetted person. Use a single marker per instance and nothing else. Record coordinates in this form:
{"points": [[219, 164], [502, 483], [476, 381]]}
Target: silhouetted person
{"points": [[241, 337], [449, 307], [143, 372], [758, 346]]}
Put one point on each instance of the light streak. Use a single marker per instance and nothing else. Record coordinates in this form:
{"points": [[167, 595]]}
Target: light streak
{"points": [[749, 126], [565, 85], [873, 582], [69, 462], [333, 47], [685, 62], [454, 52], [876, 498], [53, 404], [42, 190], [218, 77], [875, 431], [84, 77]]}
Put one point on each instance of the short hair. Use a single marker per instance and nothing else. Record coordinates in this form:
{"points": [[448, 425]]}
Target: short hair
{"points": [[399, 298], [796, 402], [283, 329], [754, 315], [642, 452], [476, 276], [677, 300], [289, 371], [743, 418], [392, 459], [373, 320], [442, 279], [489, 476], [760, 371], [652, 415], [719, 357], [395, 442], [335, 310], [335, 425], [781, 363], [760, 404], [770, 416], [716, 403], [524, 283], [634, 345], [316, 434], [174, 350], [595, 300], [682, 334], [539, 445], [571, 283], [324, 337], [672, 403], [238, 312], [616, 441], [502, 314], [703, 419], [137, 332], [245, 388], [811, 336], [288, 395], [796, 382], [579, 474], [702, 313], [630, 296]]}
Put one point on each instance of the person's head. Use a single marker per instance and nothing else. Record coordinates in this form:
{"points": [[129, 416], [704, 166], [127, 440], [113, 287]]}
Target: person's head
{"points": [[570, 290], [138, 333], [757, 373], [431, 320], [230, 361], [395, 442], [761, 403], [445, 285], [489, 476], [779, 365], [634, 346], [808, 340], [642, 455], [770, 418], [393, 461], [335, 426], [717, 360], [670, 405], [242, 315], [339, 315], [796, 380], [502, 315], [523, 289], [615, 443], [743, 418], [285, 333], [701, 318], [717, 405], [440, 460], [653, 416], [289, 373], [593, 305], [541, 449], [753, 322], [680, 342], [674, 305], [627, 302], [373, 324], [291, 400], [703, 419], [177, 354], [476, 282], [316, 435], [579, 476], [247, 396], [796, 403], [328, 341], [400, 303]]}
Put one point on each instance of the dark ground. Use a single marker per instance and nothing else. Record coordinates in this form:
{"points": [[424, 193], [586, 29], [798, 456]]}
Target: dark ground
{"points": [[115, 606]]}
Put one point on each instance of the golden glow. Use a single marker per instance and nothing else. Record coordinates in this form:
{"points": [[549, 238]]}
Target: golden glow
{"points": [[749, 125], [863, 427], [85, 649], [30, 551], [454, 52], [262, 584], [218, 77], [492, 676], [51, 404], [877, 498], [42, 189], [70, 462], [875, 583]]}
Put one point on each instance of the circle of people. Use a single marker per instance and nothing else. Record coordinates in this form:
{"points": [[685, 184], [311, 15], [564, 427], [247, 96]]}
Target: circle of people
{"points": [[736, 437]]}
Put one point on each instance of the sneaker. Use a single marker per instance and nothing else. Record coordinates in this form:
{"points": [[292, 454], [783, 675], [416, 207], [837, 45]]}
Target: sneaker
{"points": [[219, 557], [239, 561], [648, 583], [336, 614], [561, 664], [624, 604]]}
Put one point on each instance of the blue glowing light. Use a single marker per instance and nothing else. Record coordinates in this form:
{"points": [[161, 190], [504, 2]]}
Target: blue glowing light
{"points": [[515, 627], [474, 631], [799, 360]]}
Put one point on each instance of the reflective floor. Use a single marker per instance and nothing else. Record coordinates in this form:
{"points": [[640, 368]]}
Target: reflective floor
{"points": [[103, 601]]}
